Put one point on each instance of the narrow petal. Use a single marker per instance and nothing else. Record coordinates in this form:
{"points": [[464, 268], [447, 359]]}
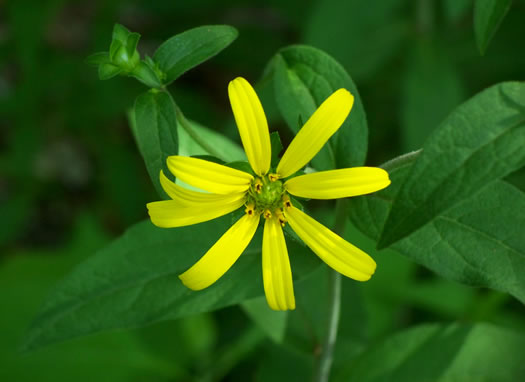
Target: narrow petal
{"points": [[222, 255], [323, 123], [277, 274], [252, 124], [330, 247], [171, 213], [341, 183], [209, 176], [195, 199]]}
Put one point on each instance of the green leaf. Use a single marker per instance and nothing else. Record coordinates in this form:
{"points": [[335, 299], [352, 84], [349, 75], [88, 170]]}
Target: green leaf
{"points": [[186, 50], [134, 282], [229, 151], [155, 130], [304, 78], [488, 15], [107, 71], [478, 242], [272, 322], [25, 279], [481, 141], [442, 353]]}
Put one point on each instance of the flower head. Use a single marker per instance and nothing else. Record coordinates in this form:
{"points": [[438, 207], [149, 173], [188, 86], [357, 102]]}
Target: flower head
{"points": [[267, 194]]}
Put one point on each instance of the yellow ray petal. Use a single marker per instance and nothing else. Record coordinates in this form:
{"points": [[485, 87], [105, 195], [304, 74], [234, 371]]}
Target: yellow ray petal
{"points": [[209, 176], [222, 255], [277, 274], [170, 213], [195, 199], [323, 123], [252, 124], [331, 248], [341, 183]]}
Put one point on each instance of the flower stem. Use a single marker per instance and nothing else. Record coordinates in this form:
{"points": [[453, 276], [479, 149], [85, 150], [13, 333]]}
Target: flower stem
{"points": [[326, 356], [193, 134]]}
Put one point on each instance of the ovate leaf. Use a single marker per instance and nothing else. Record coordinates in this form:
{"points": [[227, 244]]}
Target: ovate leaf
{"points": [[186, 50], [481, 141], [155, 130], [442, 353], [478, 242], [488, 15], [134, 282], [25, 279], [304, 78]]}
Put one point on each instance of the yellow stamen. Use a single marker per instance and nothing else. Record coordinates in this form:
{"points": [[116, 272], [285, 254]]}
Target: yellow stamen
{"points": [[250, 209], [286, 201], [267, 214], [273, 177], [258, 185], [280, 216]]}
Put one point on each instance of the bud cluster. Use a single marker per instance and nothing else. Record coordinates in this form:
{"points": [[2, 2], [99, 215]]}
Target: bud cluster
{"points": [[123, 58]]}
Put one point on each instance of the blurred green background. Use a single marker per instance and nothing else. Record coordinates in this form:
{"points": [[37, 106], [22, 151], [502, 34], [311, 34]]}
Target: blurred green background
{"points": [[71, 177]]}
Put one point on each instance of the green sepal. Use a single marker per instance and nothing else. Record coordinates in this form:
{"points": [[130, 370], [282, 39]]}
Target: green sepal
{"points": [[120, 33], [145, 74], [132, 42], [107, 71], [98, 58], [113, 49], [154, 66]]}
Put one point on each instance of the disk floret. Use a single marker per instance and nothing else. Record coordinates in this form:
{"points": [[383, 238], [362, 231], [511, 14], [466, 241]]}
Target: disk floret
{"points": [[267, 196]]}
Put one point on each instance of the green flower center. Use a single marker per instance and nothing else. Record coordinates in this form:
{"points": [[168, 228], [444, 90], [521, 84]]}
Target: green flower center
{"points": [[266, 196]]}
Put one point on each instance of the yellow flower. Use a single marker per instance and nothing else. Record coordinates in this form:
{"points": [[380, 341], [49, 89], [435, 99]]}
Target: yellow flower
{"points": [[267, 194]]}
